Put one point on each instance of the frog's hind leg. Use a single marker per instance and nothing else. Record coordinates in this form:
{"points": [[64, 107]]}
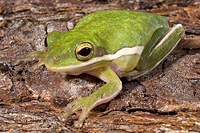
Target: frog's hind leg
{"points": [[159, 51]]}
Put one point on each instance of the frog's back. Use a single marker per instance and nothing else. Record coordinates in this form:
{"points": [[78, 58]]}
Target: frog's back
{"points": [[121, 28]]}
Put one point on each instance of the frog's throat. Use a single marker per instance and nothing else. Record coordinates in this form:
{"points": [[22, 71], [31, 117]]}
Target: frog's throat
{"points": [[97, 61]]}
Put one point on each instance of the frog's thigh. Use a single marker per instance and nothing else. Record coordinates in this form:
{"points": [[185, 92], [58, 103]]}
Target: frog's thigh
{"points": [[162, 49], [126, 63]]}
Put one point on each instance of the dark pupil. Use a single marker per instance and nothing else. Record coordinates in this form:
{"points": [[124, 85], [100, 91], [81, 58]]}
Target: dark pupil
{"points": [[85, 51]]}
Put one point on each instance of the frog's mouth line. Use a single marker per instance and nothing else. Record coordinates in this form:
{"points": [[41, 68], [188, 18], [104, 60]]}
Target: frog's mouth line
{"points": [[97, 61]]}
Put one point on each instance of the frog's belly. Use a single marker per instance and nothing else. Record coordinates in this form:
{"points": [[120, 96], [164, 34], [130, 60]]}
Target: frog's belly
{"points": [[124, 64]]}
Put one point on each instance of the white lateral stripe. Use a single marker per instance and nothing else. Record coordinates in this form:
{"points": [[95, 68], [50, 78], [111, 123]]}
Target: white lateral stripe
{"points": [[122, 52], [129, 51], [169, 34]]}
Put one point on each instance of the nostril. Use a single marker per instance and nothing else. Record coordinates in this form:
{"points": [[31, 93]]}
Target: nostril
{"points": [[56, 58]]}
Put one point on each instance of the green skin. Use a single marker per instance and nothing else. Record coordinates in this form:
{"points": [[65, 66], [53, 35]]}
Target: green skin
{"points": [[109, 32]]}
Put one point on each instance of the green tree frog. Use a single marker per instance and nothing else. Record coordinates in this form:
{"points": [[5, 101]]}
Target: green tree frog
{"points": [[108, 44]]}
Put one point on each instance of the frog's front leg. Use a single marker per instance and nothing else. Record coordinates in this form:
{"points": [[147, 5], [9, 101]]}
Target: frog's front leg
{"points": [[36, 54], [102, 95]]}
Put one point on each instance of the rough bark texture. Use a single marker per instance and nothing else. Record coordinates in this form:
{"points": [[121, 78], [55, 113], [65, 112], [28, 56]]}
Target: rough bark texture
{"points": [[165, 100]]}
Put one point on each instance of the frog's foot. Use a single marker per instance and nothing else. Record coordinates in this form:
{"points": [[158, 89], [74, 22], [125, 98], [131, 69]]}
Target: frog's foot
{"points": [[36, 65], [102, 95], [86, 104], [24, 59], [19, 60], [36, 54]]}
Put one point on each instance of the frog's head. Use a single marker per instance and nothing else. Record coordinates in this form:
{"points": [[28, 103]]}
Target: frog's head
{"points": [[73, 52]]}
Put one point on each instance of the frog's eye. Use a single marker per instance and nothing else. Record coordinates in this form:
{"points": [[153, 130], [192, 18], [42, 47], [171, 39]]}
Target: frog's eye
{"points": [[84, 51]]}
